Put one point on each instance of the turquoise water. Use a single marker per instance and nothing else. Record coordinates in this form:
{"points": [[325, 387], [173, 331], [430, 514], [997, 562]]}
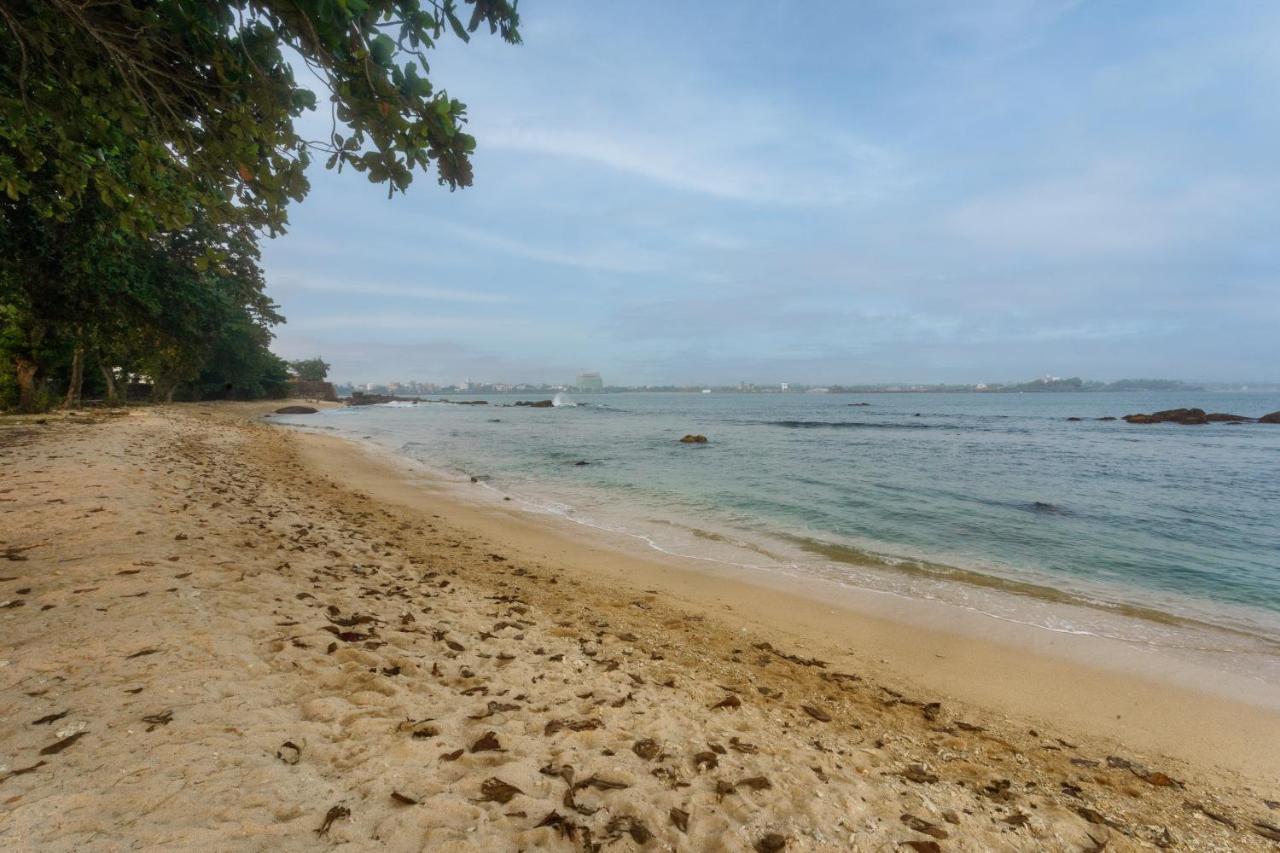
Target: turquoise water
{"points": [[953, 496]]}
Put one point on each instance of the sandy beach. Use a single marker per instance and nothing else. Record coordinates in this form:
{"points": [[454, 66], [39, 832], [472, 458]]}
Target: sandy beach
{"points": [[224, 634]]}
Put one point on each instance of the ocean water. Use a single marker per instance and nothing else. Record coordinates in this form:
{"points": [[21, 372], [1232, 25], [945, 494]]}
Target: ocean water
{"points": [[1158, 534]]}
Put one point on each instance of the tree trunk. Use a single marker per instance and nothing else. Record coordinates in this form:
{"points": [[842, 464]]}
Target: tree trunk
{"points": [[110, 378], [76, 385], [26, 369]]}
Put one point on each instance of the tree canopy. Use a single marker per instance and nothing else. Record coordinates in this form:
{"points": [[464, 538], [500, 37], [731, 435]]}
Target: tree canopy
{"points": [[145, 145], [157, 108], [310, 369]]}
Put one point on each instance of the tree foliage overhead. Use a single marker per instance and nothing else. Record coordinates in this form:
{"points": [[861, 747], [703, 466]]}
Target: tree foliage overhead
{"points": [[160, 108]]}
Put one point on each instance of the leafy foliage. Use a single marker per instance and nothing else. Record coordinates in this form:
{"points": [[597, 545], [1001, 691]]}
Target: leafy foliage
{"points": [[310, 369], [158, 109]]}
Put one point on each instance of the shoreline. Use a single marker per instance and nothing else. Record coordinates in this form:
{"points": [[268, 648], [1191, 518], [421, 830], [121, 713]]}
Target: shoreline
{"points": [[1216, 631], [1141, 699], [218, 633]]}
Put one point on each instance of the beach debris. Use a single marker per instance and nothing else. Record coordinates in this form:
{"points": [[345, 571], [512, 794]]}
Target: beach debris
{"points": [[932, 710], [923, 826], [771, 843], [494, 790], [1095, 817], [1209, 813], [335, 813], [15, 552], [922, 846], [755, 783], [161, 719], [58, 746], [705, 761], [419, 729], [572, 725], [563, 771], [1016, 819], [50, 718], [403, 799], [495, 708], [594, 781], [564, 827], [919, 774], [22, 771], [488, 742], [730, 701], [817, 713], [796, 659], [1267, 830], [679, 819], [631, 826], [452, 756], [141, 653], [289, 752], [1156, 778], [646, 748], [742, 746]]}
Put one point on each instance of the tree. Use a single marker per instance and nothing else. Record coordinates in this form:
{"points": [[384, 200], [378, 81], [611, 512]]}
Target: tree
{"points": [[310, 369], [160, 108], [81, 291]]}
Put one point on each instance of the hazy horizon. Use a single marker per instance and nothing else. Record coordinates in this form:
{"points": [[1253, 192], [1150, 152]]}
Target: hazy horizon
{"points": [[822, 195]]}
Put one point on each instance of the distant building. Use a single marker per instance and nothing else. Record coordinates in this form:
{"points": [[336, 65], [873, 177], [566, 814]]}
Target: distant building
{"points": [[786, 386], [589, 380]]}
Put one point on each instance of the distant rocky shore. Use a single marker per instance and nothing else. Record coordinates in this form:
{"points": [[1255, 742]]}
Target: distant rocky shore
{"points": [[1198, 417]]}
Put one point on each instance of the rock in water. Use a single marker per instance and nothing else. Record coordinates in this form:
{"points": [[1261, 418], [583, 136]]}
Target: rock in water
{"points": [[694, 439], [1186, 417], [1270, 418], [296, 410]]}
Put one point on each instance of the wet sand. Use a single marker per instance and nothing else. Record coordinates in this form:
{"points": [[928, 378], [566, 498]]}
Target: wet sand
{"points": [[219, 633]]}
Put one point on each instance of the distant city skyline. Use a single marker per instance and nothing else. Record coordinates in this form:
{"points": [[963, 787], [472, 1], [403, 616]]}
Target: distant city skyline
{"points": [[880, 191]]}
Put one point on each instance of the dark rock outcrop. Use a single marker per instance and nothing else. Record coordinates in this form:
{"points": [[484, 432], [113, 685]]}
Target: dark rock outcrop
{"points": [[1107, 418], [1270, 418], [296, 410], [359, 398], [535, 404], [1186, 417], [694, 439], [1223, 417]]}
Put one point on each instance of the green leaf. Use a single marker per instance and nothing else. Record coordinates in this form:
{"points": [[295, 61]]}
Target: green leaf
{"points": [[382, 49]]}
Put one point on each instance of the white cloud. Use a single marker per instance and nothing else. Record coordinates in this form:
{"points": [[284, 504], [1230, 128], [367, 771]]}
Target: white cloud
{"points": [[1113, 209], [292, 281]]}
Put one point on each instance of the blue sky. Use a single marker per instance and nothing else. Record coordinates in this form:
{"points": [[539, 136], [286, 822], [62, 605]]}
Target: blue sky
{"points": [[822, 192]]}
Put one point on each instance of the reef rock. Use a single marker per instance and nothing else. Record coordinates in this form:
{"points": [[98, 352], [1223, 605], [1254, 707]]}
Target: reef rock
{"points": [[694, 439], [296, 410], [1186, 417]]}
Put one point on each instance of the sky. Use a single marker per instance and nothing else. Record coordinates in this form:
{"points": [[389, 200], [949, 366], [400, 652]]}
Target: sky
{"points": [[821, 192]]}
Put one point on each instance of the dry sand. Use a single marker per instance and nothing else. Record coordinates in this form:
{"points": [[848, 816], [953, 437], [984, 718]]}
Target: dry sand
{"points": [[220, 634]]}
